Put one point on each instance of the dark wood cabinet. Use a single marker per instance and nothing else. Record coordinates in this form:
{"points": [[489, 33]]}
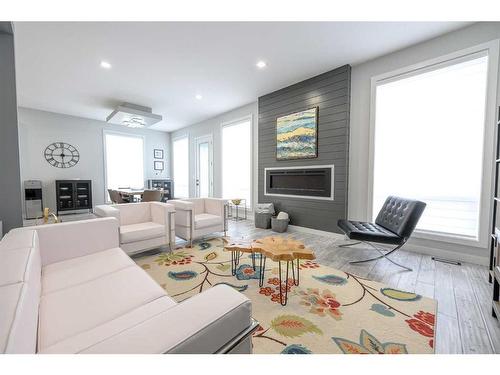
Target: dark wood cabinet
{"points": [[73, 195], [166, 185]]}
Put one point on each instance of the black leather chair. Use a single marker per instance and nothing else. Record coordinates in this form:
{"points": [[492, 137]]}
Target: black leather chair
{"points": [[394, 225]]}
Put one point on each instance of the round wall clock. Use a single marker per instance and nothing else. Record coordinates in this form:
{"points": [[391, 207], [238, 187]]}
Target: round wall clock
{"points": [[61, 155]]}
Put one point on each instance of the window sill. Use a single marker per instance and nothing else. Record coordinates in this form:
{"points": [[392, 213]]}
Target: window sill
{"points": [[450, 238]]}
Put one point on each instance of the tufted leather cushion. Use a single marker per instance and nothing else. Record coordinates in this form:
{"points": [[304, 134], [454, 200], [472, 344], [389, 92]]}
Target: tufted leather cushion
{"points": [[400, 215], [363, 231], [394, 224]]}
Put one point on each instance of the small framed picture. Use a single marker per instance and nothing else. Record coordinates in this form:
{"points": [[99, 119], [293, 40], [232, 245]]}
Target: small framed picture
{"points": [[158, 153], [158, 165]]}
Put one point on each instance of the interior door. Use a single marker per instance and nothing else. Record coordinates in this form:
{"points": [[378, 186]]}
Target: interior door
{"points": [[204, 166]]}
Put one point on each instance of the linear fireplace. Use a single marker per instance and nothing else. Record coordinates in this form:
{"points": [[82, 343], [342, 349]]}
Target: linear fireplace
{"points": [[313, 182]]}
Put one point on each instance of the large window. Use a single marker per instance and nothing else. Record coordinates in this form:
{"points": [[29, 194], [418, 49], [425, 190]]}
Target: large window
{"points": [[429, 133], [237, 160], [181, 167], [124, 161]]}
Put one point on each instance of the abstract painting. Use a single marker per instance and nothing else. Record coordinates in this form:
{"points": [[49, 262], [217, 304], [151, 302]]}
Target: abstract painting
{"points": [[297, 135]]}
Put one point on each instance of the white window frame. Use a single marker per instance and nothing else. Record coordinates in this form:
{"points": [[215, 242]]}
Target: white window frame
{"points": [[176, 138], [201, 139], [249, 118], [124, 134], [492, 50]]}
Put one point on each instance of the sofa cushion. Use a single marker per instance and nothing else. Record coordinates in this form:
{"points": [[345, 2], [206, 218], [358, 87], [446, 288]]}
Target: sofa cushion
{"points": [[79, 308], [74, 271], [9, 297], [364, 231], [201, 324], [13, 265], [16, 240], [140, 231], [134, 213], [206, 220], [20, 274], [86, 339]]}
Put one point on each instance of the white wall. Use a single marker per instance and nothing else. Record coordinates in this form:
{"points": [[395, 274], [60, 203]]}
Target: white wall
{"points": [[213, 126], [38, 129], [360, 119]]}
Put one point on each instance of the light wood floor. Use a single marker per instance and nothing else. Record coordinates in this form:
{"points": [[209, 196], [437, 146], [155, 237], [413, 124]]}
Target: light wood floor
{"points": [[464, 321]]}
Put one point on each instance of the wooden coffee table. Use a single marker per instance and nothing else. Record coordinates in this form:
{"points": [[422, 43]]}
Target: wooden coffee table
{"points": [[278, 249], [236, 247]]}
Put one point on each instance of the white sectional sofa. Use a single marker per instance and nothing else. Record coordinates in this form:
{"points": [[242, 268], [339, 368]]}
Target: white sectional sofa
{"points": [[69, 288], [197, 217], [143, 226]]}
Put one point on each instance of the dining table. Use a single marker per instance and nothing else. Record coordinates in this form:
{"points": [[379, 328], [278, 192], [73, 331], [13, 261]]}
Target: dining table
{"points": [[133, 193], [130, 193]]}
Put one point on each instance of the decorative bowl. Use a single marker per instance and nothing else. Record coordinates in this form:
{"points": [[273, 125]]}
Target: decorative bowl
{"points": [[236, 202]]}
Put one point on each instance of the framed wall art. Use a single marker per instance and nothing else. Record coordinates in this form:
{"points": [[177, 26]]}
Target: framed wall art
{"points": [[158, 166], [297, 135], [158, 153]]}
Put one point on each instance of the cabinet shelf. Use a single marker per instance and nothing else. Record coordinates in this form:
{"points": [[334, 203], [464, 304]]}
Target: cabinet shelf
{"points": [[163, 184], [73, 195]]}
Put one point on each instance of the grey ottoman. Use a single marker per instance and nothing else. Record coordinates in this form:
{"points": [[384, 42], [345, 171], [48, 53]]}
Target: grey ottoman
{"points": [[279, 225], [263, 220]]}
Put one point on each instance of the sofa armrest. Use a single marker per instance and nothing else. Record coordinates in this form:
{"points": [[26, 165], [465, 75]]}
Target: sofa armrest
{"points": [[204, 323], [182, 204], [68, 240], [184, 210], [107, 211], [163, 213]]}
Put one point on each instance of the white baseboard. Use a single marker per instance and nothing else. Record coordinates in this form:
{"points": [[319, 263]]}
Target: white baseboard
{"points": [[439, 253], [447, 254], [316, 231]]}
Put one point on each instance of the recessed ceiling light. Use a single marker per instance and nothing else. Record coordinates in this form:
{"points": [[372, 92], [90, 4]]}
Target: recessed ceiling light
{"points": [[105, 65], [198, 96], [261, 64]]}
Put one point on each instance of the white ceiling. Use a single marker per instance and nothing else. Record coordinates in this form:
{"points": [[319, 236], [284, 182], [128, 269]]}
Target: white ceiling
{"points": [[164, 65]]}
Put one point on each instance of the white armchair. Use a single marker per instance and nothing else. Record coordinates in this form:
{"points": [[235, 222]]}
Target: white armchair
{"points": [[197, 217], [143, 226]]}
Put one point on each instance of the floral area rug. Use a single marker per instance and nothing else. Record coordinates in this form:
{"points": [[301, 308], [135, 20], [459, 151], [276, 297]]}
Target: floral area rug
{"points": [[329, 312]]}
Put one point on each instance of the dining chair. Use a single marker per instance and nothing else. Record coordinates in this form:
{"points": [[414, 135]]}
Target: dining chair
{"points": [[116, 197], [152, 196]]}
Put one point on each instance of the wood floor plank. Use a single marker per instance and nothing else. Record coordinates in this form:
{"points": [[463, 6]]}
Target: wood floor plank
{"points": [[394, 272], [472, 331], [448, 339], [483, 293], [427, 270], [461, 283], [426, 290], [443, 290], [408, 280]]}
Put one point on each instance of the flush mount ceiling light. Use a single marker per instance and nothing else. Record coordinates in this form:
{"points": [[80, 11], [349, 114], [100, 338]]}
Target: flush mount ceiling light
{"points": [[134, 122], [105, 65], [198, 96], [261, 64], [133, 116]]}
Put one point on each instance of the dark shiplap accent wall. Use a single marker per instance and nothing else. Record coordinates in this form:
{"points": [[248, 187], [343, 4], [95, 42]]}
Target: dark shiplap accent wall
{"points": [[329, 91]]}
